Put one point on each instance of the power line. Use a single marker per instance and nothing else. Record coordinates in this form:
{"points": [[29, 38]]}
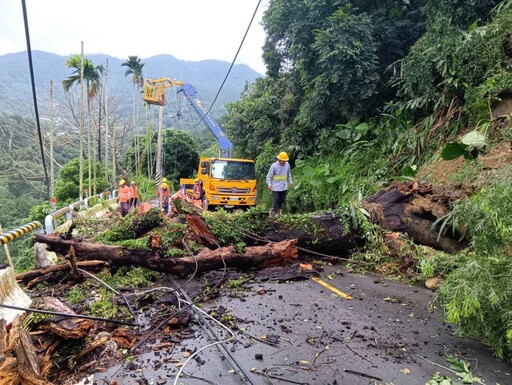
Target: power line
{"points": [[233, 62], [34, 96]]}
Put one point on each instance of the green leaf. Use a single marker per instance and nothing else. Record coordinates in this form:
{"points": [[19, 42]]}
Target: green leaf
{"points": [[409, 170], [474, 139], [344, 134], [453, 150]]}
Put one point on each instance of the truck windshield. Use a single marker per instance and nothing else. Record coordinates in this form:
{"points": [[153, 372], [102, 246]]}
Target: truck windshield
{"points": [[226, 169]]}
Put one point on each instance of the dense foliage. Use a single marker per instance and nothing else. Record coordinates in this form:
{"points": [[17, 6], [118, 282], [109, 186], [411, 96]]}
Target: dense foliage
{"points": [[180, 156], [360, 93]]}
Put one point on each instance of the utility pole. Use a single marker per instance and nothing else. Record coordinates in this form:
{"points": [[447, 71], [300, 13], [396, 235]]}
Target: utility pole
{"points": [[159, 140], [81, 104], [105, 105], [52, 160]]}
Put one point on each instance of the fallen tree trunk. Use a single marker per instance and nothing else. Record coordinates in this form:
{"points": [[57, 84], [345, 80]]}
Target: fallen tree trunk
{"points": [[34, 276], [323, 233], [267, 255], [414, 209]]}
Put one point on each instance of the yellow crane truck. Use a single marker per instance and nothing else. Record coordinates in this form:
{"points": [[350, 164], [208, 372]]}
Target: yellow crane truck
{"points": [[226, 182]]}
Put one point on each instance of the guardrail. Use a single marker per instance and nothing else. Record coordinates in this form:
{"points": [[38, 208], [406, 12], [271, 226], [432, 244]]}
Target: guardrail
{"points": [[50, 219], [16, 233]]}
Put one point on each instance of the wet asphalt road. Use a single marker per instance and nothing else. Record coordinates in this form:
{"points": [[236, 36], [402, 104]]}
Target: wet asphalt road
{"points": [[385, 334]]}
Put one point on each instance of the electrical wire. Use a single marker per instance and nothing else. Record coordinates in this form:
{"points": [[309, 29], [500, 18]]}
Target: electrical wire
{"points": [[211, 333], [66, 314], [112, 289], [34, 95], [233, 62], [197, 299], [232, 335]]}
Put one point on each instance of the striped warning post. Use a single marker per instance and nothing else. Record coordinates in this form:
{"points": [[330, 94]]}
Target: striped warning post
{"points": [[16, 233]]}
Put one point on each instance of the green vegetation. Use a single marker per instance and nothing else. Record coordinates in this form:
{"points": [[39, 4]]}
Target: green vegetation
{"points": [[232, 228], [129, 227], [179, 148], [359, 94], [476, 294]]}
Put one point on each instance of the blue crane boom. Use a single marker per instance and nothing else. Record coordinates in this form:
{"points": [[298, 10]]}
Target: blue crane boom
{"points": [[225, 145]]}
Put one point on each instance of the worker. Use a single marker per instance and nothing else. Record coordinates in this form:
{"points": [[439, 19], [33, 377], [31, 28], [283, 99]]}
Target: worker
{"points": [[165, 193], [198, 192], [134, 195], [278, 177], [124, 198]]}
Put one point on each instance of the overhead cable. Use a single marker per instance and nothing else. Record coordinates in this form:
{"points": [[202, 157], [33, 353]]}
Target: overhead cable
{"points": [[34, 96], [233, 62]]}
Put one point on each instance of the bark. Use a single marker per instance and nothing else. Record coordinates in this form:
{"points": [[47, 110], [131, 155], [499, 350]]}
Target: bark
{"points": [[324, 233], [267, 255], [413, 209], [202, 233], [34, 276], [67, 328], [19, 363]]}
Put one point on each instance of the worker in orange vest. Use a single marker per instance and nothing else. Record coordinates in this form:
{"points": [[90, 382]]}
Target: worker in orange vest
{"points": [[165, 193], [198, 193], [134, 194], [124, 198]]}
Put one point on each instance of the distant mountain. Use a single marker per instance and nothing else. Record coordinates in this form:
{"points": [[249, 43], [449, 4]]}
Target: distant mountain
{"points": [[206, 76]]}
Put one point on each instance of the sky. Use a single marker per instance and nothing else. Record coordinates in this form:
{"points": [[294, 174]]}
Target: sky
{"points": [[190, 30]]}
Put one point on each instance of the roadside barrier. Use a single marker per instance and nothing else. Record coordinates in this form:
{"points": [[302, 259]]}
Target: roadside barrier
{"points": [[16, 233], [50, 221]]}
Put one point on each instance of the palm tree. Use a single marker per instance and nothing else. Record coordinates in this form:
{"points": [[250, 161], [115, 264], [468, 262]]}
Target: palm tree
{"points": [[134, 67], [91, 75]]}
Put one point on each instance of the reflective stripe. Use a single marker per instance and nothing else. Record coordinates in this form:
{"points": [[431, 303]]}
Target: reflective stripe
{"points": [[279, 177]]}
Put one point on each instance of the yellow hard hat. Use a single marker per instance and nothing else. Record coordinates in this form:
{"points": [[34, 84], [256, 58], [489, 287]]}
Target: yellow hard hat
{"points": [[165, 185], [133, 182], [283, 156], [164, 180], [197, 180], [121, 182]]}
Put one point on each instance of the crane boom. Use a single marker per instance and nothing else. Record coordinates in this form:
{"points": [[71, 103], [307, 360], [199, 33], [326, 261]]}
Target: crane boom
{"points": [[225, 145]]}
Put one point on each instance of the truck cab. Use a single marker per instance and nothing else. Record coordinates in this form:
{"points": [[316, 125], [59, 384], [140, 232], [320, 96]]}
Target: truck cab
{"points": [[226, 182]]}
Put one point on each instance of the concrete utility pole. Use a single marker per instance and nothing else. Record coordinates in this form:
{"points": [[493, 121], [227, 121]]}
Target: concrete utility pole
{"points": [[81, 104], [159, 140], [105, 104], [52, 160]]}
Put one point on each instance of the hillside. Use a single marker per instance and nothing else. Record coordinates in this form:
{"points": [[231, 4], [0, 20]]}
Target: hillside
{"points": [[206, 76]]}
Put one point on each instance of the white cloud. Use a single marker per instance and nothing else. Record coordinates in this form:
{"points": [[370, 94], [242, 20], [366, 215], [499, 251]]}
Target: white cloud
{"points": [[186, 29]]}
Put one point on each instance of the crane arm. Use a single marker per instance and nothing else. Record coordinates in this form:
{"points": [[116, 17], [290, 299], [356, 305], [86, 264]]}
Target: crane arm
{"points": [[225, 145]]}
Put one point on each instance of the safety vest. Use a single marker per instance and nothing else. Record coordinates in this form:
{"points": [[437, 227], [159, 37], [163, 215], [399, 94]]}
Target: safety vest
{"points": [[134, 192], [278, 176], [164, 194], [198, 191], [124, 194]]}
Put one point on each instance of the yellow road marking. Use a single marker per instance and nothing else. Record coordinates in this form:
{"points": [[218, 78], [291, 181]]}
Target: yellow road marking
{"points": [[331, 288]]}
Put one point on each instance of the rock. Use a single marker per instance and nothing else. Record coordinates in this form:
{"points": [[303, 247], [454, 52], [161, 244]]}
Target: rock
{"points": [[433, 283]]}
